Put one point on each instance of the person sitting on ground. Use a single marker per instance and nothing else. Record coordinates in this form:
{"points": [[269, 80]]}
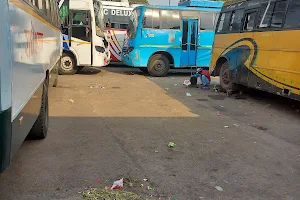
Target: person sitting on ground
{"points": [[204, 76]]}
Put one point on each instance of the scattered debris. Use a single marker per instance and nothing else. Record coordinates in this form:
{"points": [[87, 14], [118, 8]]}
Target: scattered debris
{"points": [[71, 101], [99, 86], [171, 144], [219, 188], [254, 142], [149, 77], [131, 73], [187, 82], [155, 151], [172, 78], [236, 125], [188, 94], [149, 188], [94, 193], [218, 113], [142, 185], [175, 84], [145, 179], [285, 193], [226, 126], [166, 89], [221, 106], [117, 184], [205, 88]]}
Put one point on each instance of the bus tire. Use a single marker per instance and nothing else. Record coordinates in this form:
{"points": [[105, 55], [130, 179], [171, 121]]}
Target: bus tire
{"points": [[225, 81], [67, 66], [144, 69], [39, 129], [158, 65]]}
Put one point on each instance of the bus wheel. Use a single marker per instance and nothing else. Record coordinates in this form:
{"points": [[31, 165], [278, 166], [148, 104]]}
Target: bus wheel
{"points": [[158, 65], [225, 80], [40, 127], [144, 69], [67, 66]]}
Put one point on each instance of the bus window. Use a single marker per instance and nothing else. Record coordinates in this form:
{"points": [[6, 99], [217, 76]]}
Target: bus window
{"points": [[236, 20], [40, 3], [224, 22], [133, 23], [166, 19], [184, 35], [249, 21], [175, 20], [293, 15], [155, 18], [147, 20], [48, 13], [278, 14], [206, 21], [265, 15], [123, 26]]}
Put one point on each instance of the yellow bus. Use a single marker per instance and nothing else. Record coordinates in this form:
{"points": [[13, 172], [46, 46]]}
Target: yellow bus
{"points": [[257, 44]]}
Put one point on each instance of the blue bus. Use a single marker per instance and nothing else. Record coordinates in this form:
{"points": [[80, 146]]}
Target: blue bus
{"points": [[164, 37]]}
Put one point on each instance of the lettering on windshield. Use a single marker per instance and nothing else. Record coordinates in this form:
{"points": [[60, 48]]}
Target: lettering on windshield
{"points": [[116, 12]]}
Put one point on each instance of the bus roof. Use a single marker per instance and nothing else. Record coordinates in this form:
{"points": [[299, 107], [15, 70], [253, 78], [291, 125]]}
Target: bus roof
{"points": [[117, 4], [201, 3], [239, 4], [182, 8]]}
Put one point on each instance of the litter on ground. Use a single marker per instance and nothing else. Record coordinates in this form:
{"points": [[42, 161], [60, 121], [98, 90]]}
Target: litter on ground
{"points": [[171, 144], [219, 188], [71, 100], [218, 113], [226, 126], [94, 193], [236, 125], [99, 86], [187, 82], [188, 94], [117, 184]]}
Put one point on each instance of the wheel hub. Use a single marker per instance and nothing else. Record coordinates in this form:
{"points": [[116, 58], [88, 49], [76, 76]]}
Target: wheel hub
{"points": [[225, 77], [66, 63], [159, 65]]}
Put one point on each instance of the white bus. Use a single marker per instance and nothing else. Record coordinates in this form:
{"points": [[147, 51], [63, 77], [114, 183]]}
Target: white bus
{"points": [[116, 18], [30, 50], [84, 40]]}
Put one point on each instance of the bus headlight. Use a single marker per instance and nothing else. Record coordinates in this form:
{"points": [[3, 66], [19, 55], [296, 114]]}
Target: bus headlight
{"points": [[100, 49]]}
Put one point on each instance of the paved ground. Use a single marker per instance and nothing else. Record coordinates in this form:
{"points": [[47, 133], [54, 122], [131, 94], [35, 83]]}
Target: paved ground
{"points": [[123, 130]]}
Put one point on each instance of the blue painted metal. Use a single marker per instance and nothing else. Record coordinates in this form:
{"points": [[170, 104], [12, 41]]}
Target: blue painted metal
{"points": [[202, 4], [138, 50]]}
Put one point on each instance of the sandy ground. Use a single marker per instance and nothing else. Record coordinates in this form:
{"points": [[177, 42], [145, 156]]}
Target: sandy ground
{"points": [[120, 123]]}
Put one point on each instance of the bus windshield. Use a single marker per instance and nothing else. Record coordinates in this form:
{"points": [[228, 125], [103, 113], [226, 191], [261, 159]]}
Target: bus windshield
{"points": [[133, 23], [99, 18]]}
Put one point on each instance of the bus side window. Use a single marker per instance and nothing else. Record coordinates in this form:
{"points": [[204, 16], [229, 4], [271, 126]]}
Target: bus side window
{"points": [[155, 19], [293, 15], [147, 20], [170, 19], [206, 21], [249, 21], [236, 20], [224, 21], [265, 15], [278, 14]]}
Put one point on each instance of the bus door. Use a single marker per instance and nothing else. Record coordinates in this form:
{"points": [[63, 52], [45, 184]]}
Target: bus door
{"points": [[189, 42], [81, 34]]}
